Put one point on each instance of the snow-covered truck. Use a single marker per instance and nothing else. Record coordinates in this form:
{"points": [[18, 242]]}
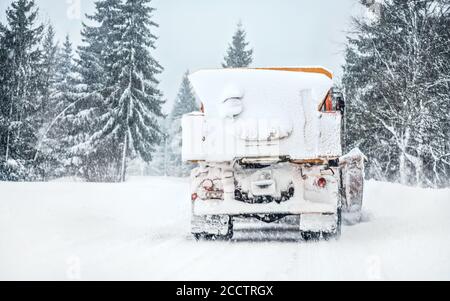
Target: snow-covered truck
{"points": [[268, 146]]}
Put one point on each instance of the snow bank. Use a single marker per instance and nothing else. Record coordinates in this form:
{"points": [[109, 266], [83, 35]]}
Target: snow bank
{"points": [[139, 231]]}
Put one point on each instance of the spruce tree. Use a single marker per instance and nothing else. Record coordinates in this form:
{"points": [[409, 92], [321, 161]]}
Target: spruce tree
{"points": [[20, 63], [96, 55], [5, 87], [57, 142], [238, 56], [137, 104], [47, 72], [43, 159], [127, 123], [184, 103], [96, 161], [65, 78]]}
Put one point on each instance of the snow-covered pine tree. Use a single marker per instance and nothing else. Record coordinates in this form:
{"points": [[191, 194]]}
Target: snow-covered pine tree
{"points": [[396, 84], [44, 161], [65, 79], [4, 101], [20, 63], [140, 101], [47, 72], [96, 55], [184, 103], [96, 68], [59, 125], [132, 98], [238, 56]]}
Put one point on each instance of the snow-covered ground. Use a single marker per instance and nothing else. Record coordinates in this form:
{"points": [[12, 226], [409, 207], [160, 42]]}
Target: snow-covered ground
{"points": [[139, 231]]}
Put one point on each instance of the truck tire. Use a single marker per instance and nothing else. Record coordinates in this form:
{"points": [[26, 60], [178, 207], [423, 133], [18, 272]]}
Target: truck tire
{"points": [[309, 235], [230, 232]]}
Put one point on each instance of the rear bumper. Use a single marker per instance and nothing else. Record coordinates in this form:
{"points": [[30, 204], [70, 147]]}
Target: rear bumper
{"points": [[236, 208]]}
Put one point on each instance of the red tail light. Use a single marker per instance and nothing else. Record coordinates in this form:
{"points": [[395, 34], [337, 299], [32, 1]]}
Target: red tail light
{"points": [[208, 185], [194, 196], [322, 182]]}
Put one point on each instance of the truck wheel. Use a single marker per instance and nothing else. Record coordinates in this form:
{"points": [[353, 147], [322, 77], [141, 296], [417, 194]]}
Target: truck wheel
{"points": [[329, 235], [230, 232], [210, 237], [204, 236], [309, 235]]}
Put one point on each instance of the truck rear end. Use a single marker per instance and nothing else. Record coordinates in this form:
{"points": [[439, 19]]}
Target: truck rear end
{"points": [[267, 144]]}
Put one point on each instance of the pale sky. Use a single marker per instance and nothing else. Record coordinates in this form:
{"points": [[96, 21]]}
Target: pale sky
{"points": [[194, 34]]}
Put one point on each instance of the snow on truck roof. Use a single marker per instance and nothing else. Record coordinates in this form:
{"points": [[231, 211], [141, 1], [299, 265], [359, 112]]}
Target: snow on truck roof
{"points": [[268, 86]]}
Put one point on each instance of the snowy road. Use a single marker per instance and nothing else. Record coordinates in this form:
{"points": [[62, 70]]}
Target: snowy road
{"points": [[139, 231]]}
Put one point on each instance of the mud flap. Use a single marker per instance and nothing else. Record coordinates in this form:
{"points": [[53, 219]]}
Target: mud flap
{"points": [[352, 173]]}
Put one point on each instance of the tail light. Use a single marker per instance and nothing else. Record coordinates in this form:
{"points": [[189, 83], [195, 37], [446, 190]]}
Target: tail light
{"points": [[322, 182], [208, 185], [194, 196]]}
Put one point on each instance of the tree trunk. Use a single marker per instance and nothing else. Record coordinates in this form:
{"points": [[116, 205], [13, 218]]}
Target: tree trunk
{"points": [[7, 145], [8, 137], [123, 170], [165, 157], [402, 169], [418, 167]]}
